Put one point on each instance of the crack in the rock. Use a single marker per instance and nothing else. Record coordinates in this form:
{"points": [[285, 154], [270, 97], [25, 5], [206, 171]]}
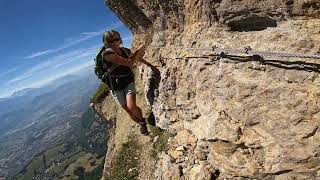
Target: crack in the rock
{"points": [[311, 133]]}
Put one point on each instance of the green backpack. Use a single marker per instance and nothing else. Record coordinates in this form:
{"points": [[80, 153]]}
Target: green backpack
{"points": [[99, 69]]}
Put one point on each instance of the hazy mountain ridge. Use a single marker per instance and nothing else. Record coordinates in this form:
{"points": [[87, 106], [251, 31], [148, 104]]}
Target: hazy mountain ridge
{"points": [[45, 119], [21, 98], [33, 104]]}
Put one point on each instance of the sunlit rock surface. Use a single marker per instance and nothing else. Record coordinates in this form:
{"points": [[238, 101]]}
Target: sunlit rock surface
{"points": [[232, 117]]}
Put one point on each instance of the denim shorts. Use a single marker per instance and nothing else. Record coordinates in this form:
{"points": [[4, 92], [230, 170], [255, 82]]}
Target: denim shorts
{"points": [[120, 95]]}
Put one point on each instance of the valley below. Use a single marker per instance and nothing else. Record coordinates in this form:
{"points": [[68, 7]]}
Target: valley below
{"points": [[43, 131]]}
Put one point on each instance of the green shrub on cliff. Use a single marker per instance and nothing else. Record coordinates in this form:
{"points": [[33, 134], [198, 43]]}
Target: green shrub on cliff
{"points": [[101, 92]]}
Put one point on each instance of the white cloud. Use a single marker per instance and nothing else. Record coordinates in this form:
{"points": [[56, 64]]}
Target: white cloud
{"points": [[29, 72], [57, 61], [73, 70], [39, 54], [91, 33], [68, 42], [19, 78], [75, 56], [8, 71]]}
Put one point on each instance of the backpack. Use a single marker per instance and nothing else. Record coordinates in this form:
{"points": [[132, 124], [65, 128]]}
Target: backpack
{"points": [[99, 69], [103, 69]]}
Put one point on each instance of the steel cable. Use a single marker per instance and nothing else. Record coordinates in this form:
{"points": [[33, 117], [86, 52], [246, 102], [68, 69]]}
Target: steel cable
{"points": [[248, 50]]}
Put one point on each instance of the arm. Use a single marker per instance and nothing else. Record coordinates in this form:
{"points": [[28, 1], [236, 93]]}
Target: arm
{"points": [[138, 56], [116, 59], [145, 62]]}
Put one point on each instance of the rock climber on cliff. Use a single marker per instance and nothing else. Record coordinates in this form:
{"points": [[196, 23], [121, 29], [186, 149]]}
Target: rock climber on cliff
{"points": [[119, 61]]}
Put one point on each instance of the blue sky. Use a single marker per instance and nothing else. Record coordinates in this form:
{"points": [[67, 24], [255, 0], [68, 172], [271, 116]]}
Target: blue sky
{"points": [[44, 40]]}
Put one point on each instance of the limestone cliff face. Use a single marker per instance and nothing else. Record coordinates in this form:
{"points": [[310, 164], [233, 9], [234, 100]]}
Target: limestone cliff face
{"points": [[232, 117]]}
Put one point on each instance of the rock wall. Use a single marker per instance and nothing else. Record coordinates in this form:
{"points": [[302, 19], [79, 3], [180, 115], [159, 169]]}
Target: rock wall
{"points": [[233, 117]]}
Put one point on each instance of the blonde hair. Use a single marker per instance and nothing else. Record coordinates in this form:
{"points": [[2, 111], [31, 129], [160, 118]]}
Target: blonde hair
{"points": [[109, 36]]}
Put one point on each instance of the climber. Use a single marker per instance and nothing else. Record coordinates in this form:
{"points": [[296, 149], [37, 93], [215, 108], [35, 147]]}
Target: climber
{"points": [[119, 61]]}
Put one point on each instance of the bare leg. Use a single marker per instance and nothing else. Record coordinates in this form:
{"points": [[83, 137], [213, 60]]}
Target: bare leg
{"points": [[133, 117], [132, 106], [137, 113]]}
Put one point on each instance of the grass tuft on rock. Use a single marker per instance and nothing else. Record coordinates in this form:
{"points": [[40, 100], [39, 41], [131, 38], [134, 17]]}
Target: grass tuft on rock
{"points": [[124, 166], [161, 142]]}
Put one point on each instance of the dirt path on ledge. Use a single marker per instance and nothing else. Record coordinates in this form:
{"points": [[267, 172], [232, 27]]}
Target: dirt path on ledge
{"points": [[147, 162]]}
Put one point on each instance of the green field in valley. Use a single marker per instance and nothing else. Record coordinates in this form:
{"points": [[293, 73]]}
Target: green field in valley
{"points": [[83, 158]]}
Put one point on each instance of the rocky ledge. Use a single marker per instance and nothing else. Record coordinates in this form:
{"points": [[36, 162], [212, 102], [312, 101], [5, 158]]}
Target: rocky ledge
{"points": [[231, 116]]}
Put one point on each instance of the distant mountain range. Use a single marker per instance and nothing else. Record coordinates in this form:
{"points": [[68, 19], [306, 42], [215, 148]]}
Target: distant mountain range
{"points": [[32, 103], [34, 119]]}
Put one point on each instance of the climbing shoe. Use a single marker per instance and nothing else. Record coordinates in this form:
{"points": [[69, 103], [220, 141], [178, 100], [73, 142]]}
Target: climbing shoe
{"points": [[143, 128]]}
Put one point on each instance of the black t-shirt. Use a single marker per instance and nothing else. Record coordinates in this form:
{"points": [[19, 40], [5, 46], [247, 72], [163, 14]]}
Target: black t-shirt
{"points": [[120, 70], [118, 83]]}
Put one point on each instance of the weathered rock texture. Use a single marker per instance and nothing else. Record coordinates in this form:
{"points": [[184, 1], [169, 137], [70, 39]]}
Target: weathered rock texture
{"points": [[238, 117]]}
